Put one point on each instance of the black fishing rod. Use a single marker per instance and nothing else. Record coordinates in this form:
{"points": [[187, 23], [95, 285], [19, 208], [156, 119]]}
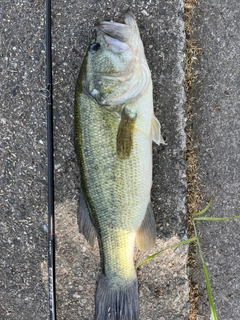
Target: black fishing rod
{"points": [[51, 228]]}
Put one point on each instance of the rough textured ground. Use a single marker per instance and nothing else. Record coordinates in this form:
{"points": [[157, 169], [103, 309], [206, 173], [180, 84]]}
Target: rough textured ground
{"points": [[23, 162], [216, 130], [23, 188]]}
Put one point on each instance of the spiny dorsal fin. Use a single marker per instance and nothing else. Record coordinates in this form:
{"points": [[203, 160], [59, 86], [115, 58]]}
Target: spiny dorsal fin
{"points": [[156, 131], [146, 234], [125, 135]]}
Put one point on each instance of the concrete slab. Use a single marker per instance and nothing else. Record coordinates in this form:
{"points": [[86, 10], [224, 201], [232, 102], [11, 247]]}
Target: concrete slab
{"points": [[216, 128], [23, 162], [163, 282]]}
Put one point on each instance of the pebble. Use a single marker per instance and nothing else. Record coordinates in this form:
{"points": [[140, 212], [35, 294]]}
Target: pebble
{"points": [[144, 12]]}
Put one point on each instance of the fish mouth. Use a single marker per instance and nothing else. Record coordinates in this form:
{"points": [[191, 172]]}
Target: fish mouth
{"points": [[131, 72], [121, 31]]}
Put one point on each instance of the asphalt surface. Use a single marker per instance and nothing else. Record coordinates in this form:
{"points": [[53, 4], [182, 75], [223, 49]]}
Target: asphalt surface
{"points": [[23, 173], [23, 162], [23, 258], [216, 128]]}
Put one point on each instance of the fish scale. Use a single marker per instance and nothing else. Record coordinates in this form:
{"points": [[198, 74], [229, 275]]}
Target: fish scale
{"points": [[114, 186]]}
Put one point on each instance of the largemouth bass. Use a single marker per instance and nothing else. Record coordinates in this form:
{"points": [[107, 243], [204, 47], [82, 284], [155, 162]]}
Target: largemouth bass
{"points": [[114, 129]]}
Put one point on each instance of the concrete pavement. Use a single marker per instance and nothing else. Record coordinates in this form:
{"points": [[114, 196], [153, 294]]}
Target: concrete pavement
{"points": [[216, 131], [23, 244], [163, 282]]}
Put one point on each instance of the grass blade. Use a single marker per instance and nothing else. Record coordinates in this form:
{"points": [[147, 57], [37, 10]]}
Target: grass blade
{"points": [[202, 211], [216, 219], [209, 291], [170, 247]]}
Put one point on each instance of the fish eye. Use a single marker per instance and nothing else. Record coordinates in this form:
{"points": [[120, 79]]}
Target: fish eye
{"points": [[94, 47]]}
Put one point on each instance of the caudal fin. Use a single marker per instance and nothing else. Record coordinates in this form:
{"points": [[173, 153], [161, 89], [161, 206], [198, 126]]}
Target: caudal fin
{"points": [[116, 303]]}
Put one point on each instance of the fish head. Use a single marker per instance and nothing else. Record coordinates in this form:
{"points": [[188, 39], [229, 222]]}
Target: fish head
{"points": [[108, 52], [117, 70]]}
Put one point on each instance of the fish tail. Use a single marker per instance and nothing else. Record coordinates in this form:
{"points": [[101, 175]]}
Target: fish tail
{"points": [[116, 303]]}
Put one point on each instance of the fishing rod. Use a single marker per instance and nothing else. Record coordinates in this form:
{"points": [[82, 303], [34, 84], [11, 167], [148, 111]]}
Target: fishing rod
{"points": [[51, 227]]}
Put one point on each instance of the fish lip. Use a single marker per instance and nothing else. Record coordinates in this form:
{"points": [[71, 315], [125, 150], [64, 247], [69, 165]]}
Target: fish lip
{"points": [[121, 31], [115, 30]]}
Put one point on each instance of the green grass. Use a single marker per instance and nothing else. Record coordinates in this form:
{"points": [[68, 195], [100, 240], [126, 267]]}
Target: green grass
{"points": [[196, 217], [170, 247]]}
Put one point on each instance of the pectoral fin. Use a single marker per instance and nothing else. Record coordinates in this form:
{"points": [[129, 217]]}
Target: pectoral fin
{"points": [[125, 135], [156, 131], [85, 224], [146, 234]]}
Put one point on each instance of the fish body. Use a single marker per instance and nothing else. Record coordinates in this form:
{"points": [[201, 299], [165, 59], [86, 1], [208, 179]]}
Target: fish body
{"points": [[114, 129]]}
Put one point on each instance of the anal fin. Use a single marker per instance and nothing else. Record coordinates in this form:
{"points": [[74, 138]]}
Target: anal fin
{"points": [[146, 234], [85, 224]]}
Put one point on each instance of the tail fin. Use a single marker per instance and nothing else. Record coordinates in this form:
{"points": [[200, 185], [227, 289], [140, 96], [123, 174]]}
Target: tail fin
{"points": [[116, 303]]}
